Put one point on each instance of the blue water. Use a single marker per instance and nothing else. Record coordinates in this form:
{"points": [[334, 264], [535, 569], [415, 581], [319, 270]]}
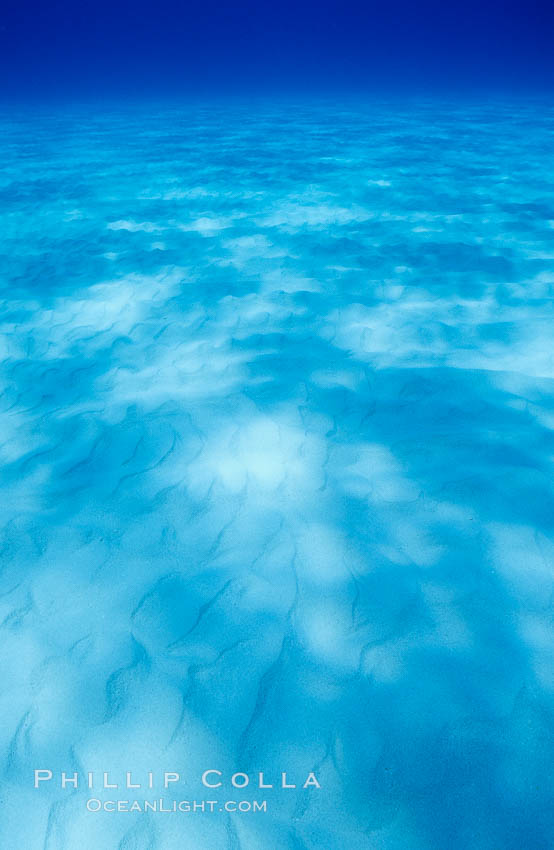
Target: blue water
{"points": [[276, 472]]}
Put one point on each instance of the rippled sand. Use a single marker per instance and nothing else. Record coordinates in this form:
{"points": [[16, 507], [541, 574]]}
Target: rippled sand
{"points": [[276, 472]]}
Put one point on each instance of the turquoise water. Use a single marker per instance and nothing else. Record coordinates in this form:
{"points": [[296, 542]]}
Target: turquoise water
{"points": [[276, 473]]}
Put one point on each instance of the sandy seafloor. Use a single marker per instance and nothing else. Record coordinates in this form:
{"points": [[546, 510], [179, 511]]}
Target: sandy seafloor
{"points": [[276, 471]]}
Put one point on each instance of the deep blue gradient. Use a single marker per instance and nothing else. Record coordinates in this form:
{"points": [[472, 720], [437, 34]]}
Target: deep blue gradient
{"points": [[134, 47], [276, 470]]}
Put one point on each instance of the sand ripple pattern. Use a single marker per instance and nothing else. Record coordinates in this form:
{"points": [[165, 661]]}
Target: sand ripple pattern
{"points": [[276, 481]]}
